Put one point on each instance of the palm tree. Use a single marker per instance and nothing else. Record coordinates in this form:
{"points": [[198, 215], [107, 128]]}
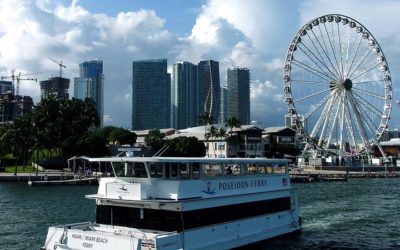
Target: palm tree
{"points": [[23, 129], [205, 119], [212, 132], [221, 133], [232, 122]]}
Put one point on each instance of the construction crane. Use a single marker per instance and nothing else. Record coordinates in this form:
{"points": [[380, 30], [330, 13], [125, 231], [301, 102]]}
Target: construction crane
{"points": [[24, 79], [16, 79], [60, 64]]}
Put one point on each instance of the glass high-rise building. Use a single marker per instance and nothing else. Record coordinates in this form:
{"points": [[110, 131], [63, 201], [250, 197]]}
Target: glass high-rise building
{"points": [[209, 89], [90, 84], [224, 104], [239, 94], [151, 94], [184, 95]]}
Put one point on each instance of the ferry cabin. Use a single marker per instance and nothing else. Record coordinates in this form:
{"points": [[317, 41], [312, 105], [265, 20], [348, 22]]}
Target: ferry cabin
{"points": [[195, 203]]}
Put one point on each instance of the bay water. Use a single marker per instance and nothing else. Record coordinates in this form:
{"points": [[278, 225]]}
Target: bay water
{"points": [[357, 214]]}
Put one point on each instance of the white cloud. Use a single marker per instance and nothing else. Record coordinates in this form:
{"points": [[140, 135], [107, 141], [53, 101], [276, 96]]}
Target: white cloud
{"points": [[253, 34], [73, 13]]}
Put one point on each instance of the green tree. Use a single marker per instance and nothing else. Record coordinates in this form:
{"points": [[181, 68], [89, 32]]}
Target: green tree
{"points": [[155, 139], [231, 123], [122, 136], [54, 121], [221, 133], [5, 144], [92, 145], [105, 132], [22, 130], [185, 147], [89, 144], [46, 128], [205, 119], [212, 132]]}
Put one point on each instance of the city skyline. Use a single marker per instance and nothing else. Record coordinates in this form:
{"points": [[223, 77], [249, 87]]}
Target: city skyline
{"points": [[253, 34]]}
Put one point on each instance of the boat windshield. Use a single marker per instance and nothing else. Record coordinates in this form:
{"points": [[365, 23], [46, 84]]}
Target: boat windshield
{"points": [[196, 170], [130, 169]]}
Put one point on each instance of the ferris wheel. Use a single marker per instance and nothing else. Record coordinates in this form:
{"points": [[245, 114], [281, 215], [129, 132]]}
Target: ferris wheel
{"points": [[337, 87]]}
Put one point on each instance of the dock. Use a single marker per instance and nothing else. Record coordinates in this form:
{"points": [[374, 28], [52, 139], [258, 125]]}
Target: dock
{"points": [[312, 175], [78, 181]]}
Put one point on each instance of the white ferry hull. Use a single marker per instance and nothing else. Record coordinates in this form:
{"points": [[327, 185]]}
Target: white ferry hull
{"points": [[221, 236], [185, 203]]}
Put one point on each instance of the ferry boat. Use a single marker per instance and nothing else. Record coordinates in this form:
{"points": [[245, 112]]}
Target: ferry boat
{"points": [[185, 203]]}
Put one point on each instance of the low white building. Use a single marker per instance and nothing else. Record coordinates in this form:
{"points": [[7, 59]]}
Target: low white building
{"points": [[244, 141]]}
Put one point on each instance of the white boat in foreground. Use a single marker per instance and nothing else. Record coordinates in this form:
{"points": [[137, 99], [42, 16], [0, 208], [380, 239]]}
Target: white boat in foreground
{"points": [[185, 203]]}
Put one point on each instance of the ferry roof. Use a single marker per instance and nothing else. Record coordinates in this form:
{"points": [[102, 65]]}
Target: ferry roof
{"points": [[187, 159]]}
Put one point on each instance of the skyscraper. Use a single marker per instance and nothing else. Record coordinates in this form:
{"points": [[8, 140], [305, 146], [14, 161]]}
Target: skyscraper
{"points": [[90, 84], [239, 94], [184, 95], [224, 104], [151, 94], [56, 87], [209, 89]]}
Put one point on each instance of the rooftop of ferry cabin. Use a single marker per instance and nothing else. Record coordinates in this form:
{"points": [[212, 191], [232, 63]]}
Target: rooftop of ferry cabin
{"points": [[192, 168]]}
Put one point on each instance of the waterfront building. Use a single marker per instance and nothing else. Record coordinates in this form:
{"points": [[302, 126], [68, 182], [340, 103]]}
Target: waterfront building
{"points": [[209, 89], [238, 95], [151, 94], [273, 136], [12, 106], [224, 105], [56, 87], [243, 141], [184, 95], [5, 86], [90, 84]]}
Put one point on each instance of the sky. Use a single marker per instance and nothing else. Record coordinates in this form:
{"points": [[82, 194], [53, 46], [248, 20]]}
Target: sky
{"points": [[252, 33]]}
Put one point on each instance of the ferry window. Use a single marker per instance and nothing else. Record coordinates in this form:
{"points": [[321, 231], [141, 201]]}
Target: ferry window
{"points": [[120, 169], [280, 168], [183, 170], [236, 169], [212, 170], [139, 170], [196, 170], [156, 169], [167, 170], [130, 169], [174, 170], [250, 168], [265, 169], [229, 169]]}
